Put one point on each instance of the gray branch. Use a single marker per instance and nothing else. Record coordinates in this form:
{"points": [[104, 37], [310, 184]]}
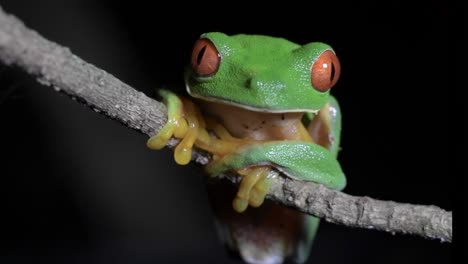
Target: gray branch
{"points": [[56, 66]]}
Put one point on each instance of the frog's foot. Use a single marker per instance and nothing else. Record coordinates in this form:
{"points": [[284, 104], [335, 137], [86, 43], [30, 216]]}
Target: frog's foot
{"points": [[254, 184], [184, 122], [253, 188], [175, 121], [259, 191]]}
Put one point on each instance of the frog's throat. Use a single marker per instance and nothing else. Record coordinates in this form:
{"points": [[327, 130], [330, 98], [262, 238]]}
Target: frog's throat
{"points": [[248, 107]]}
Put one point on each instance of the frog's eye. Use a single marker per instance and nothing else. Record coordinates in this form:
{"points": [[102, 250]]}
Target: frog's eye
{"points": [[205, 58], [325, 71]]}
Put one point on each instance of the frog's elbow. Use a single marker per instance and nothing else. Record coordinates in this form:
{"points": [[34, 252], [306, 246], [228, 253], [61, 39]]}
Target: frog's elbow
{"points": [[343, 183], [340, 182]]}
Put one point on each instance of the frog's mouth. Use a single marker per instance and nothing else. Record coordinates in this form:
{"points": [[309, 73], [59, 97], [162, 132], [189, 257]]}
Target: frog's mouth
{"points": [[221, 100], [252, 108]]}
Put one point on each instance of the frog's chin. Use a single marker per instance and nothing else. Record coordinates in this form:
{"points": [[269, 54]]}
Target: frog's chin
{"points": [[249, 107]]}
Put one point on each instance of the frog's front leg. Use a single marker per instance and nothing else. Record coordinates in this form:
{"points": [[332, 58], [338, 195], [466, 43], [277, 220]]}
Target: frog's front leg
{"points": [[248, 193], [186, 123]]}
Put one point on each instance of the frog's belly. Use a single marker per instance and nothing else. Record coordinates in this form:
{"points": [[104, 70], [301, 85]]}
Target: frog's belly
{"points": [[271, 233], [268, 234]]}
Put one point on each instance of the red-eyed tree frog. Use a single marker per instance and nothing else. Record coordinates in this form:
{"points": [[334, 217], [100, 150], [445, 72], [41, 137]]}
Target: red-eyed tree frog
{"points": [[262, 103]]}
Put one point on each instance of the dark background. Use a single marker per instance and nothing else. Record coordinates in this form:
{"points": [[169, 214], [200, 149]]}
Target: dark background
{"points": [[77, 187]]}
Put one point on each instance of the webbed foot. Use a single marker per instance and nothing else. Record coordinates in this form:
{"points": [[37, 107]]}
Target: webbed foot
{"points": [[252, 189], [183, 122]]}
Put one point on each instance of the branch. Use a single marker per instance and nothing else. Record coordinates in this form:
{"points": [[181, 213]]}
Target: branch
{"points": [[56, 66]]}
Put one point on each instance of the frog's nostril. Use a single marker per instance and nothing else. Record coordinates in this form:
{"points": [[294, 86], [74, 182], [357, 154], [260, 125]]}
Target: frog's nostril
{"points": [[265, 84], [254, 83], [248, 83]]}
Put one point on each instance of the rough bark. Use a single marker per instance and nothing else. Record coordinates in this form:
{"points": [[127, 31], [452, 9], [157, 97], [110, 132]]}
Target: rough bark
{"points": [[54, 65]]}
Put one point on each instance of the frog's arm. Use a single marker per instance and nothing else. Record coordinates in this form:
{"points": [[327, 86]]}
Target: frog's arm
{"points": [[186, 123], [297, 159], [325, 127]]}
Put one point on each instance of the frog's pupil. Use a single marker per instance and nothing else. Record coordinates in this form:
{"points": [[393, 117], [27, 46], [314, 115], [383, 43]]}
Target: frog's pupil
{"points": [[200, 55], [332, 74]]}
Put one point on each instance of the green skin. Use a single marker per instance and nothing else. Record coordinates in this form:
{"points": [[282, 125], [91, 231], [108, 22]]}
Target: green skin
{"points": [[277, 73], [266, 74]]}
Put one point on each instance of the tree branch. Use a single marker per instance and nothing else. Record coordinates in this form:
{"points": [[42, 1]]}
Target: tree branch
{"points": [[56, 66]]}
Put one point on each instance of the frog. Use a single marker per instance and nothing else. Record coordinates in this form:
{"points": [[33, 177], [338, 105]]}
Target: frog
{"points": [[258, 104]]}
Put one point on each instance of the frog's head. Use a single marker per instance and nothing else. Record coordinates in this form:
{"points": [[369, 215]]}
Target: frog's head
{"points": [[262, 73]]}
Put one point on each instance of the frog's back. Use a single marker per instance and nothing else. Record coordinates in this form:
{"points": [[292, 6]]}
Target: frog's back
{"points": [[263, 42]]}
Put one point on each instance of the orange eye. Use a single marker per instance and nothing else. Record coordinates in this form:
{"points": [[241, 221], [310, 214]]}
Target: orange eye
{"points": [[325, 71], [205, 58]]}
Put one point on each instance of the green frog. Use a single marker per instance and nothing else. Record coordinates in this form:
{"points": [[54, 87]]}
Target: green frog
{"points": [[259, 103]]}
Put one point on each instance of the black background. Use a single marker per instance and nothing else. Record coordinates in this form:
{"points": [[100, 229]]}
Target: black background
{"points": [[77, 187]]}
